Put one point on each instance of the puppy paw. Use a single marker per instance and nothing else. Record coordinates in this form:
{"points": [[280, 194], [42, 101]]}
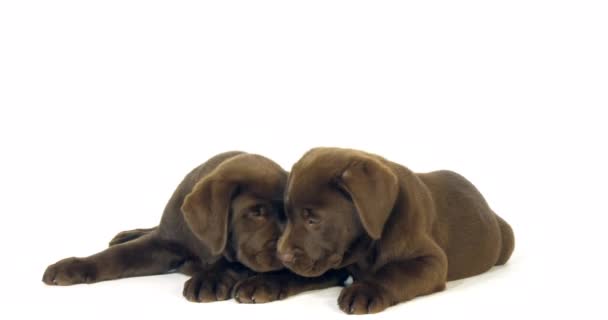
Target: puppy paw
{"points": [[260, 289], [209, 288], [70, 271], [363, 298]]}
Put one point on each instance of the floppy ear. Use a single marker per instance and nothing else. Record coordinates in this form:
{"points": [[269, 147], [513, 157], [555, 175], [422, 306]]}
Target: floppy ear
{"points": [[373, 188], [206, 210]]}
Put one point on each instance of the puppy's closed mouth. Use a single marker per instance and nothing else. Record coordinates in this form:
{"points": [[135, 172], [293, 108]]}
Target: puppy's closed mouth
{"points": [[268, 261], [310, 269], [313, 268], [261, 261]]}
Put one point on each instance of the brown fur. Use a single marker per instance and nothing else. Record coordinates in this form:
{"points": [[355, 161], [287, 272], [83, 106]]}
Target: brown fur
{"points": [[398, 233], [222, 221]]}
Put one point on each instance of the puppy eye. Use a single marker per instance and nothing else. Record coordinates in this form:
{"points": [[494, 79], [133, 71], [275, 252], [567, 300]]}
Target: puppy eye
{"points": [[312, 221], [310, 217], [258, 212]]}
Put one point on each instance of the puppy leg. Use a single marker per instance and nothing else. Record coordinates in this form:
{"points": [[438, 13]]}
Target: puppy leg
{"points": [[146, 255], [216, 283], [129, 235], [267, 287], [395, 282]]}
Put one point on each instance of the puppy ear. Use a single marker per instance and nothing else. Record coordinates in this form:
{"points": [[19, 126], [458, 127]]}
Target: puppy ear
{"points": [[206, 210], [373, 188]]}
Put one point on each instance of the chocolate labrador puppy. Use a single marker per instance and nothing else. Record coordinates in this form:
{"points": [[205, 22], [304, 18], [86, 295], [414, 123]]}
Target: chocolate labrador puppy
{"points": [[399, 234], [222, 221]]}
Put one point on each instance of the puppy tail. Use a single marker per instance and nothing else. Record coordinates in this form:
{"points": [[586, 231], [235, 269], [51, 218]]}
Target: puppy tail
{"points": [[508, 241]]}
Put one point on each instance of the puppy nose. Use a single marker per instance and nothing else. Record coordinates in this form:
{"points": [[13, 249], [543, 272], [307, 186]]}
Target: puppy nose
{"points": [[287, 257]]}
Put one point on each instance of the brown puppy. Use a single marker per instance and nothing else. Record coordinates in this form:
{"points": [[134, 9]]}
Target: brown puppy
{"points": [[398, 233], [222, 220]]}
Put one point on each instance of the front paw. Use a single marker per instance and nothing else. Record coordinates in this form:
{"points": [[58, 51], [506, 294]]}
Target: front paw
{"points": [[363, 298], [70, 271], [260, 289], [209, 288]]}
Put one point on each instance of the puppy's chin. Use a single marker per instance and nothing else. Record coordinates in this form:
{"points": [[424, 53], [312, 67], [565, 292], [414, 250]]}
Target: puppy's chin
{"points": [[263, 261], [309, 268]]}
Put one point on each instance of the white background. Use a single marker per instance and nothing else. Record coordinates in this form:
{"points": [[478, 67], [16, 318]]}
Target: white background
{"points": [[106, 105]]}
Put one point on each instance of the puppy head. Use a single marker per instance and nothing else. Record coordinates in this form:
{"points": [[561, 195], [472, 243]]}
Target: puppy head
{"points": [[235, 210], [335, 200]]}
